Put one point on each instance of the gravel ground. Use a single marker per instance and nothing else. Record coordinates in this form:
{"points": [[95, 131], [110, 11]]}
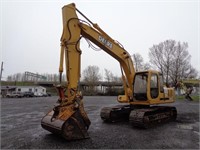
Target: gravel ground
{"points": [[21, 129]]}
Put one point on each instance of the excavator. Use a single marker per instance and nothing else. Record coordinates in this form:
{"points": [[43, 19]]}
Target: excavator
{"points": [[144, 90], [187, 86]]}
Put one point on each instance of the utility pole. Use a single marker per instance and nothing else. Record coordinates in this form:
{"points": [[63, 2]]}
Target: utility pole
{"points": [[0, 77], [1, 70], [135, 59]]}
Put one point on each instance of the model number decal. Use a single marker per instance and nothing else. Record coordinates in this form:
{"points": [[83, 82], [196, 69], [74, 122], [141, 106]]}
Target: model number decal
{"points": [[105, 42]]}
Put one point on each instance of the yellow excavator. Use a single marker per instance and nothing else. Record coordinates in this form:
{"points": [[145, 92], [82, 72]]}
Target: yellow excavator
{"points": [[143, 90], [187, 86]]}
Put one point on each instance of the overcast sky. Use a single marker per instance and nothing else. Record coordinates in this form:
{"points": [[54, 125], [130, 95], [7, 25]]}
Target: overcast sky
{"points": [[31, 31]]}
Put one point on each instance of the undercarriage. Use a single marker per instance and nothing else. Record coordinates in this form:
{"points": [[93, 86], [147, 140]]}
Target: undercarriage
{"points": [[140, 116]]}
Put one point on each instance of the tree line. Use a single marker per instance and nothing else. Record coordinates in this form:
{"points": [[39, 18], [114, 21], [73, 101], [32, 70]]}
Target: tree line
{"points": [[22, 77], [170, 57]]}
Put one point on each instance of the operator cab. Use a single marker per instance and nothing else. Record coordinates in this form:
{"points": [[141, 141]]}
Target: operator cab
{"points": [[147, 85]]}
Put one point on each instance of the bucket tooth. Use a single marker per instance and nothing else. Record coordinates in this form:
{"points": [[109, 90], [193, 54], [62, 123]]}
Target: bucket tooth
{"points": [[75, 128]]}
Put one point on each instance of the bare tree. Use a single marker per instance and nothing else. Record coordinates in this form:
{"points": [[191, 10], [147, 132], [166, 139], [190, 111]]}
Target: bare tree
{"points": [[24, 77], [91, 76], [108, 75], [146, 66], [112, 81], [172, 59], [139, 63], [9, 78], [117, 79], [16, 77], [180, 62]]}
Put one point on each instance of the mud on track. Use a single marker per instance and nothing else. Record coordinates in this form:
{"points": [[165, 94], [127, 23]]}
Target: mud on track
{"points": [[21, 129]]}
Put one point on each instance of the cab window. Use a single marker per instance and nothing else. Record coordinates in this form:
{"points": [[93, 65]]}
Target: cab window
{"points": [[161, 84], [154, 86], [140, 86]]}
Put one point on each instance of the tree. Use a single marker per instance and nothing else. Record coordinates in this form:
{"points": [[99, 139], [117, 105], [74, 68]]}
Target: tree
{"points": [[16, 77], [172, 59], [108, 75], [139, 63], [24, 77], [111, 81], [91, 76], [181, 67], [146, 66]]}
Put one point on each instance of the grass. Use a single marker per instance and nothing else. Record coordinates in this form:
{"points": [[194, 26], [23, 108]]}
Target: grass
{"points": [[195, 98]]}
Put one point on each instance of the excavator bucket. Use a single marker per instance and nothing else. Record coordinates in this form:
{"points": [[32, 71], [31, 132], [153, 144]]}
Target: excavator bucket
{"points": [[69, 121]]}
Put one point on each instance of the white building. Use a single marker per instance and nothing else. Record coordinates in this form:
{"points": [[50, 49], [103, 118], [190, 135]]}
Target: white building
{"points": [[37, 90]]}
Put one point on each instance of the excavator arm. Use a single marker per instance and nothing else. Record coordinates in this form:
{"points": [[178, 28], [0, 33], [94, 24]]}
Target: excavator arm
{"points": [[68, 118], [73, 30]]}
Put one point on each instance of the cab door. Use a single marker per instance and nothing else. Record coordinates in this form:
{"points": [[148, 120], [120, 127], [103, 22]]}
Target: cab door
{"points": [[154, 86]]}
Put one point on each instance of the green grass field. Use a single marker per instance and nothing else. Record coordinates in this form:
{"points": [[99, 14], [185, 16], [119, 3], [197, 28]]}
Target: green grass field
{"points": [[195, 98]]}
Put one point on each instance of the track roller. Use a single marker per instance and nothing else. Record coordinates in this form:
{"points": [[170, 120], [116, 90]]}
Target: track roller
{"points": [[152, 116]]}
